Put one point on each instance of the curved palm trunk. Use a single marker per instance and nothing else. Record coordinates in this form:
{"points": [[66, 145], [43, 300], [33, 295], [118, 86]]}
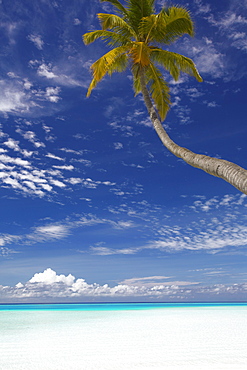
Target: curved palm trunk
{"points": [[228, 171]]}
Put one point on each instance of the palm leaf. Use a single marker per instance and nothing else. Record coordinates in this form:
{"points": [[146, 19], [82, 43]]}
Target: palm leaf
{"points": [[91, 87], [152, 28], [136, 78], [116, 23], [141, 8], [139, 53], [119, 64], [137, 9], [174, 63], [113, 38], [117, 5], [158, 89], [108, 63], [175, 22]]}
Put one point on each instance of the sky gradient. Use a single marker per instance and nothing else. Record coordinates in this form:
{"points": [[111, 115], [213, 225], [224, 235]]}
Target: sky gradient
{"points": [[93, 207]]}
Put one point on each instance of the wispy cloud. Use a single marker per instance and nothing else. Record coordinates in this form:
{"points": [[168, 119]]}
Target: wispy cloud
{"points": [[37, 40], [61, 230]]}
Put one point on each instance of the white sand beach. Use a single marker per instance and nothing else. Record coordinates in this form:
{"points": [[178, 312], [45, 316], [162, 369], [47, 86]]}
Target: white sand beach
{"points": [[180, 338]]}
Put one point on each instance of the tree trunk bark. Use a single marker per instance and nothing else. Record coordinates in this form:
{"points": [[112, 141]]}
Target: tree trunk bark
{"points": [[228, 171]]}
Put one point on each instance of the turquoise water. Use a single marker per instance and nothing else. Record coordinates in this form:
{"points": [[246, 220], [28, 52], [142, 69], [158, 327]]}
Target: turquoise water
{"points": [[120, 336], [114, 306]]}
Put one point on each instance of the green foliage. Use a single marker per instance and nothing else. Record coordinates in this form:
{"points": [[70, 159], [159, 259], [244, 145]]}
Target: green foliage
{"points": [[136, 34], [175, 63], [158, 88], [114, 61], [116, 24], [112, 38], [117, 5]]}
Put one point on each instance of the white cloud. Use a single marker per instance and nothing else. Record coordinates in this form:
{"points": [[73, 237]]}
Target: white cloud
{"points": [[13, 99], [202, 7], [18, 96], [57, 183], [209, 61], [77, 22], [44, 70], [37, 40], [16, 161], [211, 104], [50, 277], [118, 146], [30, 136], [227, 200], [104, 251], [89, 183], [232, 25], [12, 144], [49, 284], [194, 93], [61, 74], [228, 20], [50, 155], [216, 227], [7, 239], [52, 94], [67, 168]]}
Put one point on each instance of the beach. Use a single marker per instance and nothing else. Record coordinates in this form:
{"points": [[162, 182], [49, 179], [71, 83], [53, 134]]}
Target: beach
{"points": [[176, 337]]}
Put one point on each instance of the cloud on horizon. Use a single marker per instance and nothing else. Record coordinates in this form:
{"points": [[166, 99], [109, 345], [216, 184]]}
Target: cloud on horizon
{"points": [[49, 285]]}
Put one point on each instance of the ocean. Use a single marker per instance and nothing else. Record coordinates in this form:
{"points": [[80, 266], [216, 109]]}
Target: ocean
{"points": [[140, 336]]}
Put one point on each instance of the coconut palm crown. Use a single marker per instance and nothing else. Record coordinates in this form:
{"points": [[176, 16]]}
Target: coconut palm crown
{"points": [[138, 36]]}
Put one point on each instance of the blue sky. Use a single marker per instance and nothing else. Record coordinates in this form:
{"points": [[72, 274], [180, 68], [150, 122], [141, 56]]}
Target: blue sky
{"points": [[93, 207]]}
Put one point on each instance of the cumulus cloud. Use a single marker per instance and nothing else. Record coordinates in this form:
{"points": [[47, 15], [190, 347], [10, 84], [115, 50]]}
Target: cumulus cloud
{"points": [[50, 285], [50, 277]]}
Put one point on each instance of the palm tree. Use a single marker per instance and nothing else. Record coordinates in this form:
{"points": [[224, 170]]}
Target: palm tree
{"points": [[136, 35]]}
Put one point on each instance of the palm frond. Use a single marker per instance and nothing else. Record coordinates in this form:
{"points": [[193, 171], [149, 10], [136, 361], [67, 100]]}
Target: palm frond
{"points": [[119, 64], [137, 9], [142, 8], [108, 63], [151, 28], [112, 38], [174, 63], [116, 23], [175, 22], [136, 78], [139, 53], [158, 89], [91, 87], [117, 5]]}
